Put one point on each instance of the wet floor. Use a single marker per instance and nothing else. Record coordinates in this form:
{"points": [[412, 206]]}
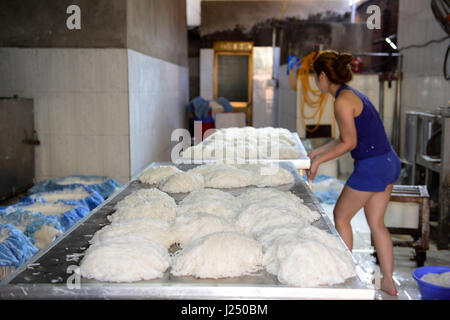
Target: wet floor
{"points": [[403, 265]]}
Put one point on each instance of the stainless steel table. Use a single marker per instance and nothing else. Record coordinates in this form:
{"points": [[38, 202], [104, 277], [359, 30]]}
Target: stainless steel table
{"points": [[51, 274]]}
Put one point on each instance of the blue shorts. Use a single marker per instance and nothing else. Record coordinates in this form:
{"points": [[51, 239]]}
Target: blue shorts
{"points": [[376, 173]]}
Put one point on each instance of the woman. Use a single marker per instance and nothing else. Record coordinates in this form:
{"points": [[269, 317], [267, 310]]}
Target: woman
{"points": [[377, 166]]}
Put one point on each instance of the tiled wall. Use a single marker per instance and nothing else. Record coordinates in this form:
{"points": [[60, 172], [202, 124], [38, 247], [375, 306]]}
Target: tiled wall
{"points": [[159, 93], [424, 87], [97, 111], [81, 108]]}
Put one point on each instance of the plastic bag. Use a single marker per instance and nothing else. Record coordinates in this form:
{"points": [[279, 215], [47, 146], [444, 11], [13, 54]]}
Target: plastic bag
{"points": [[18, 217], [103, 185], [15, 247], [327, 189]]}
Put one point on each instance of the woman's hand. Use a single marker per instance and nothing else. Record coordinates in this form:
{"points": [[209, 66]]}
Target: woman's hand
{"points": [[312, 154], [313, 169]]}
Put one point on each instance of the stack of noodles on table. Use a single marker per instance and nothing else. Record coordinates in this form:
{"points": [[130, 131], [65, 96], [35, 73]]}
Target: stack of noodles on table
{"points": [[245, 143], [218, 235], [170, 179]]}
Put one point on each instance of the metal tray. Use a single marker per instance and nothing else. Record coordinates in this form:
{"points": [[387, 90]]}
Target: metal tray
{"points": [[50, 274]]}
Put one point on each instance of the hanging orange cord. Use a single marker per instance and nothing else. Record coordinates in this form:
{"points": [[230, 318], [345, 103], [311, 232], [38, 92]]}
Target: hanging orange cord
{"points": [[311, 97]]}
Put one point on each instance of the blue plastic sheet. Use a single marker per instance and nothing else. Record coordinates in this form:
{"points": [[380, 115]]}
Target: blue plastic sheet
{"points": [[18, 217], [90, 202], [15, 247], [329, 196], [105, 189], [66, 219]]}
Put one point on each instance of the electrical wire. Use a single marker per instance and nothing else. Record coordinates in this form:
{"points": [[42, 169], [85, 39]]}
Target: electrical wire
{"points": [[424, 45]]}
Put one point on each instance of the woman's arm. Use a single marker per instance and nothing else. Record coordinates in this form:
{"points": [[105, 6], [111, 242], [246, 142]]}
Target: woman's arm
{"points": [[323, 149], [347, 141]]}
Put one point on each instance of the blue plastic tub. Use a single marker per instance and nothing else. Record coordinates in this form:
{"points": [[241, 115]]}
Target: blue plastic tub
{"points": [[430, 291]]}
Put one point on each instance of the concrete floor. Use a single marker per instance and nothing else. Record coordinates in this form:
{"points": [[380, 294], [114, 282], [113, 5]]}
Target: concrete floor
{"points": [[403, 265]]}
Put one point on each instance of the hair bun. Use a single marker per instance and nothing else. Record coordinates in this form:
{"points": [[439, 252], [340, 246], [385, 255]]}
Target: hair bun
{"points": [[344, 59]]}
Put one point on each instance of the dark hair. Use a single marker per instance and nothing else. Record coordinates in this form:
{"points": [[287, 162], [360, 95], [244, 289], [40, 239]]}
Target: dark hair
{"points": [[335, 65]]}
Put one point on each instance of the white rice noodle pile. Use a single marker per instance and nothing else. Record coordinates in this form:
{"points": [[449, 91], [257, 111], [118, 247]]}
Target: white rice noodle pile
{"points": [[268, 236], [48, 208], [252, 222], [438, 279], [218, 255], [245, 143], [268, 175], [155, 230], [218, 208], [224, 176], [70, 194], [145, 195], [157, 209], [258, 194], [194, 225], [182, 182], [308, 263], [125, 259], [209, 194], [324, 237], [75, 180], [255, 199], [155, 174]]}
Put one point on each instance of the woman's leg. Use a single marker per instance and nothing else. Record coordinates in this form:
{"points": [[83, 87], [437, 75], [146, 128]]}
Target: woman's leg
{"points": [[375, 210], [349, 203]]}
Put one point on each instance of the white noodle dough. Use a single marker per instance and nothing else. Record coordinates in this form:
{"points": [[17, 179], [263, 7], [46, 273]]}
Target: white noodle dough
{"points": [[145, 195], [191, 226], [208, 194], [71, 194], [270, 238], [268, 176], [245, 143], [224, 176], [156, 208], [254, 199], [156, 174], [125, 259], [48, 208], [182, 182], [308, 263], [439, 279], [155, 230], [256, 218], [218, 255], [75, 180]]}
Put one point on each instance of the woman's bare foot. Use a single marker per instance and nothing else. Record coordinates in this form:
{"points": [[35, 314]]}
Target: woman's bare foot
{"points": [[388, 286]]}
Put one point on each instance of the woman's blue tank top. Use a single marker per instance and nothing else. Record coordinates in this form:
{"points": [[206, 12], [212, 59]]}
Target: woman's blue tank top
{"points": [[372, 138]]}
